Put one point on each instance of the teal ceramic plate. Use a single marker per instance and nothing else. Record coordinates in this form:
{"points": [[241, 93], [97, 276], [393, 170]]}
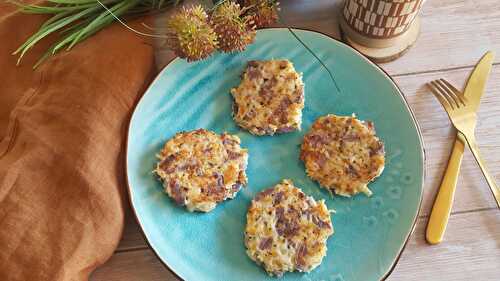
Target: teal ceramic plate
{"points": [[370, 233]]}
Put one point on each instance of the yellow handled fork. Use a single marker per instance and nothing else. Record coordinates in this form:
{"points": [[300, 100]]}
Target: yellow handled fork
{"points": [[463, 117]]}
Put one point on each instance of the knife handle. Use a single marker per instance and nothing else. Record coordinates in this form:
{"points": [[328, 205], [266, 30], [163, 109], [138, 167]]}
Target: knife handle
{"points": [[444, 200]]}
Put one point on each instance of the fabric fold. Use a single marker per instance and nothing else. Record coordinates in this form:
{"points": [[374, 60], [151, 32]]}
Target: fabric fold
{"points": [[62, 143]]}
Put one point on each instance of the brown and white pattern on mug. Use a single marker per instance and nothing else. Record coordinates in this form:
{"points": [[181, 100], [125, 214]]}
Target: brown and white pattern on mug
{"points": [[381, 19]]}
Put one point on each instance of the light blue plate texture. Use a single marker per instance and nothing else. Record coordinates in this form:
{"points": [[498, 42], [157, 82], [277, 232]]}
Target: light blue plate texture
{"points": [[370, 233]]}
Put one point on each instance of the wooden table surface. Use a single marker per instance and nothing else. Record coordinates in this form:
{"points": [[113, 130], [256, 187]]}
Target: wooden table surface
{"points": [[454, 35]]}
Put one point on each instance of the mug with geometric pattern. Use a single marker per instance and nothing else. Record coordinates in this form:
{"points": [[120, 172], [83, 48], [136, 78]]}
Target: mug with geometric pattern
{"points": [[380, 19]]}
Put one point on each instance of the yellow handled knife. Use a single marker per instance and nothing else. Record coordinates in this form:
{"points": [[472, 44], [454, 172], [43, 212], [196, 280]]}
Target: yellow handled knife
{"points": [[442, 205]]}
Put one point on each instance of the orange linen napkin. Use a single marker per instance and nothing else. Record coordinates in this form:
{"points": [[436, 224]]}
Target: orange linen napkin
{"points": [[62, 138]]}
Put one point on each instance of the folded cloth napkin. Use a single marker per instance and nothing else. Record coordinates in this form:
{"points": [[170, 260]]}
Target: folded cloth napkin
{"points": [[62, 138]]}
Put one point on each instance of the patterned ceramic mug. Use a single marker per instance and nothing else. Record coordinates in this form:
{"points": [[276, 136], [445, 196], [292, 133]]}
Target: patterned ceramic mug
{"points": [[380, 19]]}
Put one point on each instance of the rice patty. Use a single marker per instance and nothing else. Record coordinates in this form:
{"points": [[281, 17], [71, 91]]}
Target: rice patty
{"points": [[200, 168], [287, 230], [343, 154], [270, 98]]}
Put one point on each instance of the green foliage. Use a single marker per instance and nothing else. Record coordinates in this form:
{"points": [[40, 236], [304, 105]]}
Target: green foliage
{"points": [[76, 20]]}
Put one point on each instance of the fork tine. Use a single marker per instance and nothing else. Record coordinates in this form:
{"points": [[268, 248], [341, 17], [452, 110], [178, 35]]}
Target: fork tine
{"points": [[449, 92], [444, 93], [442, 100], [459, 94]]}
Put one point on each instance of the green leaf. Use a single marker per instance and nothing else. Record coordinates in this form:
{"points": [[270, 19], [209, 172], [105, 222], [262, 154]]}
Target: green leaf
{"points": [[97, 25], [55, 18], [105, 18], [76, 26], [77, 2], [44, 31], [35, 9], [76, 20]]}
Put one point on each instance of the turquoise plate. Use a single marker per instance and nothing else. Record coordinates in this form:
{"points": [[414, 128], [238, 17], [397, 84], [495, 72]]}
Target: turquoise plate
{"points": [[370, 233]]}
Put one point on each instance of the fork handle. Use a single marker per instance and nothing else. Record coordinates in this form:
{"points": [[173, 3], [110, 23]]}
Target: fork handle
{"points": [[491, 181], [441, 209]]}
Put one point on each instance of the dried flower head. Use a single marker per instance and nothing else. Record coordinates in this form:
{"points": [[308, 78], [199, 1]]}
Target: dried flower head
{"points": [[190, 35], [263, 12], [234, 30]]}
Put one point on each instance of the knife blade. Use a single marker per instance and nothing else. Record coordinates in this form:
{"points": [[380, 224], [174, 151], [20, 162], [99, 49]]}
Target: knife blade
{"points": [[474, 88], [441, 209]]}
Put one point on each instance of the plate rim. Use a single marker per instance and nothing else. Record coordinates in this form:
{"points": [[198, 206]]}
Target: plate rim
{"points": [[359, 54]]}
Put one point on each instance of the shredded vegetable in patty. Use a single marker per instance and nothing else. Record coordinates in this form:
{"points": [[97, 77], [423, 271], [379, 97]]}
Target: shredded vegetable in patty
{"points": [[287, 230], [200, 168]]}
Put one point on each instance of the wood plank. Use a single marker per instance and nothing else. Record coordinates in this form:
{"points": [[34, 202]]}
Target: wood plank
{"points": [[472, 192], [471, 251], [455, 33], [132, 237], [140, 265]]}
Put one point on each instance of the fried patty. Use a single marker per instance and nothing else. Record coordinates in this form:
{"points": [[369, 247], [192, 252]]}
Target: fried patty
{"points": [[287, 230], [201, 168], [343, 154], [270, 98]]}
